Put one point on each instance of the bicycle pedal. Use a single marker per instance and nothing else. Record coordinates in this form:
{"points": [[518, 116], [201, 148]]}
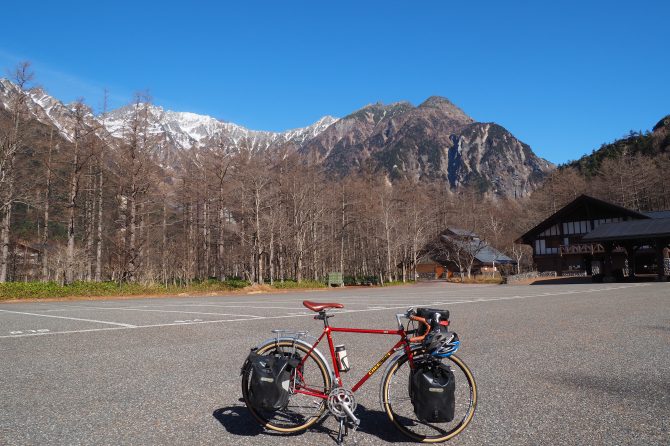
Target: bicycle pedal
{"points": [[353, 425]]}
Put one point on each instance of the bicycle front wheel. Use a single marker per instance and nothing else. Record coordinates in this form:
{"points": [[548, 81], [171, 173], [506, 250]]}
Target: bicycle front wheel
{"points": [[398, 404], [302, 410]]}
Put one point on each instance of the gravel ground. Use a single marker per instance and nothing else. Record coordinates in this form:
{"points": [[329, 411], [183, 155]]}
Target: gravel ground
{"points": [[554, 364]]}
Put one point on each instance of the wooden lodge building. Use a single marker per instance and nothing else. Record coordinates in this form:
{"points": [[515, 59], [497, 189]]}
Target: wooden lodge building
{"points": [[437, 258], [601, 239]]}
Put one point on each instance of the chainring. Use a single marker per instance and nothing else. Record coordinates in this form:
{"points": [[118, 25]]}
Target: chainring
{"points": [[338, 398]]}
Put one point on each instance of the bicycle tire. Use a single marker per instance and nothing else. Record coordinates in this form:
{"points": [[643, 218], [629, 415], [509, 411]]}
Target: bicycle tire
{"points": [[270, 419], [404, 421]]}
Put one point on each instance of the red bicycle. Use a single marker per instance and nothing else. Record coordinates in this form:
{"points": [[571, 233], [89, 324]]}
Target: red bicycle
{"points": [[428, 393]]}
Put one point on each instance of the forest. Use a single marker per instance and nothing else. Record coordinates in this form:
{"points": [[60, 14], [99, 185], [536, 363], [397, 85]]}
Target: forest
{"points": [[102, 208]]}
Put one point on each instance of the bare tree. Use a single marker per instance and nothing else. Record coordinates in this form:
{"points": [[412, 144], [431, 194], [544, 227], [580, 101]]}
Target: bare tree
{"points": [[47, 202], [81, 153], [136, 180], [11, 142]]}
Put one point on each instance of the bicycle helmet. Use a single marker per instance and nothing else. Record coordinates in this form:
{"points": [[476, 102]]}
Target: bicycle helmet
{"points": [[441, 344]]}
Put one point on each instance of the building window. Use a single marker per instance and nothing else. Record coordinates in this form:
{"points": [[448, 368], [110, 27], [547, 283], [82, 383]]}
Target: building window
{"points": [[554, 230], [549, 245]]}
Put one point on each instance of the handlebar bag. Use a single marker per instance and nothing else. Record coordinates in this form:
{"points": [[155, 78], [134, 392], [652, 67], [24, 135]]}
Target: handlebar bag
{"points": [[270, 379], [431, 389], [433, 317]]}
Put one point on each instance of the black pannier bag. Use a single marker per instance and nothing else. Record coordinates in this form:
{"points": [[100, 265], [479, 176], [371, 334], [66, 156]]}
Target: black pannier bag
{"points": [[270, 379], [431, 389], [433, 317]]}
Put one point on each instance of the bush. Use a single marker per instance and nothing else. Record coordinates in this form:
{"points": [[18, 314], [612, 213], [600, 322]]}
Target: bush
{"points": [[362, 280], [287, 284], [349, 280], [237, 283], [398, 282], [371, 280], [41, 290]]}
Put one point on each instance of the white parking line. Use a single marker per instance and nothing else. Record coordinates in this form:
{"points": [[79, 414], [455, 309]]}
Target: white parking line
{"points": [[173, 324], [250, 306], [168, 311], [71, 318], [257, 318]]}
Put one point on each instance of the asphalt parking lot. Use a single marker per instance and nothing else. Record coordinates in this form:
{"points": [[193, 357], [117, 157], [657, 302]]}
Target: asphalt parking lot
{"points": [[555, 364]]}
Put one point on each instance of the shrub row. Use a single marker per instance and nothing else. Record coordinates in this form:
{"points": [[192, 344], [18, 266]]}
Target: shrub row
{"points": [[287, 284], [39, 290]]}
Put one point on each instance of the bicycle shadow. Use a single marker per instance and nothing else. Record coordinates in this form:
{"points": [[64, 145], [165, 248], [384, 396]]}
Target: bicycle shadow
{"points": [[238, 421], [377, 424]]}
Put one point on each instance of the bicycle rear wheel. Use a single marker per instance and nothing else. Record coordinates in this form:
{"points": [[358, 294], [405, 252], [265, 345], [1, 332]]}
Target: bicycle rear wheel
{"points": [[398, 405], [302, 410]]}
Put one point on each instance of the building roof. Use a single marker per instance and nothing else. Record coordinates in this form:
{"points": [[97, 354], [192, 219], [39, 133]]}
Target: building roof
{"points": [[461, 232], [628, 230], [426, 259], [490, 255], [482, 251], [33, 247], [572, 206], [657, 214]]}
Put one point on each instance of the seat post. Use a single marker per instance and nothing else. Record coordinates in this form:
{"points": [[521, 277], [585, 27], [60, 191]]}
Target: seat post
{"points": [[323, 315]]}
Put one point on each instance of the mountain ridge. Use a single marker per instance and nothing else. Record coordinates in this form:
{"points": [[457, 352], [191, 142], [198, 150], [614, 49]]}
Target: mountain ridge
{"points": [[649, 143], [434, 141]]}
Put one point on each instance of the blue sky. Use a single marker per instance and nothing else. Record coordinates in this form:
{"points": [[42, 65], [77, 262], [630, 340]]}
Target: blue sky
{"points": [[564, 76]]}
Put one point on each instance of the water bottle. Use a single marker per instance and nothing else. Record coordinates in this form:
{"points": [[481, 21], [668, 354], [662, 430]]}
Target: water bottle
{"points": [[342, 360]]}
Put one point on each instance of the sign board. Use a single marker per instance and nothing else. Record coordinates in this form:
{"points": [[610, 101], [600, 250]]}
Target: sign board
{"points": [[335, 279]]}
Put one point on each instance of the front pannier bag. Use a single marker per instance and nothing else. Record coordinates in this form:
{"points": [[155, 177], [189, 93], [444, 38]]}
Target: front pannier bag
{"points": [[270, 379], [432, 389]]}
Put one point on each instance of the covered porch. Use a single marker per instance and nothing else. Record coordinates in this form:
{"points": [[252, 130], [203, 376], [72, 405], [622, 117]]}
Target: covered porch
{"points": [[650, 236]]}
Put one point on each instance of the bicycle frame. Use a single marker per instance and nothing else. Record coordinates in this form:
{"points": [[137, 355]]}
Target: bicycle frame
{"points": [[314, 377], [328, 331]]}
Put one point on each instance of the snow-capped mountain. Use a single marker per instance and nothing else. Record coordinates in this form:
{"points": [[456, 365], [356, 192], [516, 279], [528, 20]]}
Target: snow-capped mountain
{"points": [[177, 131], [45, 108], [435, 141], [186, 130]]}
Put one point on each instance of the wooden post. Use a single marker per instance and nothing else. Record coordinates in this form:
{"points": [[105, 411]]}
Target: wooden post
{"points": [[631, 250], [660, 260], [607, 263]]}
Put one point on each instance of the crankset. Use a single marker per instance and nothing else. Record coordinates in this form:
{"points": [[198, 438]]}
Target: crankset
{"points": [[342, 404]]}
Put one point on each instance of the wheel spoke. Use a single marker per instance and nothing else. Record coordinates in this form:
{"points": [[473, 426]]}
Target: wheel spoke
{"points": [[401, 410]]}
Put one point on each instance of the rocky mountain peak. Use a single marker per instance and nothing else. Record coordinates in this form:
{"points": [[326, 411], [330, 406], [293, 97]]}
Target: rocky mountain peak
{"points": [[373, 113], [435, 141], [438, 102], [447, 107]]}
